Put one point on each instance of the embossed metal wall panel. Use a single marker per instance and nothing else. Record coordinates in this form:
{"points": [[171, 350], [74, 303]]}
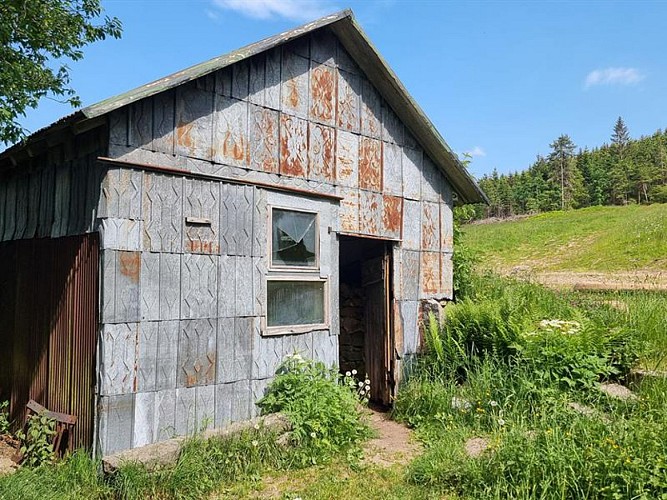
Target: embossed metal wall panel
{"points": [[140, 132], [294, 92], [235, 336], [163, 213], [392, 127], [194, 120], [170, 286], [371, 110], [323, 47], [165, 414], [205, 407], [348, 102], [120, 234], [370, 212], [240, 79], [411, 225], [392, 178], [430, 222], [412, 160], [197, 352], [431, 179], [201, 214], [230, 133], [409, 312], [370, 164], [267, 355], [446, 275], [273, 78], [117, 366], [150, 286], [236, 219], [185, 418], [347, 159], [325, 347], [232, 402], [146, 356], [430, 275], [323, 94], [163, 122], [447, 228], [293, 146], [392, 216], [143, 419], [167, 355], [127, 291], [199, 286], [349, 210], [116, 423], [321, 160], [264, 141]]}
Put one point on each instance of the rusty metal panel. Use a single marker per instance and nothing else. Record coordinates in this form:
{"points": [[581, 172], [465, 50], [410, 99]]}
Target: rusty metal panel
{"points": [[347, 159], [197, 352], [165, 414], [117, 366], [194, 121], [409, 311], [140, 132], [446, 275], [371, 110], [199, 282], [163, 122], [322, 94], [412, 173], [170, 286], [348, 102], [409, 288], [232, 402], [294, 91], [431, 179], [392, 216], [236, 214], [293, 146], [230, 133], [146, 363], [116, 415], [349, 210], [446, 228], [120, 234], [430, 222], [392, 169], [325, 348], [126, 287], [61, 203], [264, 142], [150, 286], [430, 274], [166, 356], [163, 213], [411, 225], [321, 161], [370, 212], [201, 216], [144, 419], [185, 421], [392, 127], [370, 164], [240, 79]]}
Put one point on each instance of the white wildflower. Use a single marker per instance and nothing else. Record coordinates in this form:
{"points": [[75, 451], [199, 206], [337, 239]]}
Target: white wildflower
{"points": [[354, 372], [493, 403], [501, 422], [255, 443], [313, 435], [348, 374]]}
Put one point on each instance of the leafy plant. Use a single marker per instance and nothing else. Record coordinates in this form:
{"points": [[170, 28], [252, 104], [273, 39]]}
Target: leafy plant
{"points": [[36, 446], [4, 417]]}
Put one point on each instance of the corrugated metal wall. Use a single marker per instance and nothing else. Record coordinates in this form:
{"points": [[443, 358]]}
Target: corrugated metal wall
{"points": [[48, 318]]}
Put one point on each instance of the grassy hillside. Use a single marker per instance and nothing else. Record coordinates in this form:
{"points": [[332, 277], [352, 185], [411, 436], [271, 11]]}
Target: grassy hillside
{"points": [[602, 239]]}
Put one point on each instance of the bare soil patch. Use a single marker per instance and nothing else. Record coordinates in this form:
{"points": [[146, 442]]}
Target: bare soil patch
{"points": [[593, 281], [394, 442], [9, 454]]}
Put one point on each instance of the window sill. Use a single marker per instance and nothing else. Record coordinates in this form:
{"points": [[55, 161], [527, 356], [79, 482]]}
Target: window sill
{"points": [[275, 331]]}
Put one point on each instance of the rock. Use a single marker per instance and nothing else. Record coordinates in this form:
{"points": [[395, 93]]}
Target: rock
{"points": [[587, 411], [618, 391], [475, 447], [460, 403], [7, 466]]}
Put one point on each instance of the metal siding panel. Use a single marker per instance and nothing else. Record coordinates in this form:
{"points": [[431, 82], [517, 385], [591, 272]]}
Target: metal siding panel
{"points": [[264, 140], [430, 222], [347, 159], [431, 179], [244, 330], [197, 352], [370, 212], [165, 415], [144, 419], [194, 121], [120, 234], [240, 79], [225, 351], [348, 102], [108, 286], [259, 222], [371, 110], [409, 287], [258, 391], [243, 295], [227, 286], [412, 167], [141, 124], [121, 194], [205, 407], [349, 210], [170, 286], [232, 402], [118, 349], [162, 213], [236, 213], [325, 348], [150, 286], [446, 275], [167, 355], [411, 227], [128, 273], [301, 344], [370, 164], [322, 94], [273, 78], [199, 283], [392, 169], [118, 126], [323, 46], [256, 79], [147, 354], [186, 413], [392, 126], [345, 61], [202, 200], [230, 134], [409, 311], [163, 122], [293, 146], [223, 81], [430, 274], [119, 417], [294, 89], [392, 216], [267, 355], [258, 284], [321, 160]]}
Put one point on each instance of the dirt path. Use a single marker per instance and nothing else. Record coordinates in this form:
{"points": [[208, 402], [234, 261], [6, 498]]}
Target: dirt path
{"points": [[592, 281], [394, 442]]}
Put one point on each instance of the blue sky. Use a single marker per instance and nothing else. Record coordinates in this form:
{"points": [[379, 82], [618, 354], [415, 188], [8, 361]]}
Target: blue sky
{"points": [[499, 79]]}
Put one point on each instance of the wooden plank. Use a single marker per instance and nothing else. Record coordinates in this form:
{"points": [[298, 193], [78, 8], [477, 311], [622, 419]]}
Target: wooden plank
{"points": [[63, 418]]}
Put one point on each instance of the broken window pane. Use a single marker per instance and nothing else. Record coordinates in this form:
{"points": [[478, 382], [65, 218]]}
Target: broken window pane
{"points": [[294, 238], [295, 303]]}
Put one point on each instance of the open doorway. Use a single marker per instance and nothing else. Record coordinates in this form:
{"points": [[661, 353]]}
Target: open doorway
{"points": [[366, 341]]}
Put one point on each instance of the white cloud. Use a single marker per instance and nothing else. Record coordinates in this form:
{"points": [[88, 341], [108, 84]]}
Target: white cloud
{"points": [[613, 76], [476, 152], [294, 10]]}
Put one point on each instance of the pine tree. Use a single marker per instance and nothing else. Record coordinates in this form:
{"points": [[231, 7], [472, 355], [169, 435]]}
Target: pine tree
{"points": [[562, 167], [620, 138]]}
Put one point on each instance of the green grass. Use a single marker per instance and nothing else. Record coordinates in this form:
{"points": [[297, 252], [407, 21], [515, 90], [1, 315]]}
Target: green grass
{"points": [[602, 239]]}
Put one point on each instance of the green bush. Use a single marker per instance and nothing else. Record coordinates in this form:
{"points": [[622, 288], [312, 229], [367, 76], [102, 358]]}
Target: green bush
{"points": [[321, 407], [36, 441], [5, 424]]}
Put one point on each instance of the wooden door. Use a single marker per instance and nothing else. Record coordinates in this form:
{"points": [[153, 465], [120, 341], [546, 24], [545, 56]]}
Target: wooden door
{"points": [[379, 348]]}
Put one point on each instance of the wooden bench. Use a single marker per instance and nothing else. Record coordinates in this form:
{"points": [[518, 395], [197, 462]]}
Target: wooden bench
{"points": [[64, 424]]}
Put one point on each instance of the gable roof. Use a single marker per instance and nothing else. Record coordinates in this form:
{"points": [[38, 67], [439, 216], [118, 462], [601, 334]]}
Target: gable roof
{"points": [[354, 40]]}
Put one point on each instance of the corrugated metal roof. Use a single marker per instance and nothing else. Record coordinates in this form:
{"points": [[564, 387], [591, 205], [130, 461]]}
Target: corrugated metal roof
{"points": [[355, 41]]}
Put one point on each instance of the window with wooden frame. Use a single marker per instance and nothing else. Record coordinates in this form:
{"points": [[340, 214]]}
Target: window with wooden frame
{"points": [[297, 297]]}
